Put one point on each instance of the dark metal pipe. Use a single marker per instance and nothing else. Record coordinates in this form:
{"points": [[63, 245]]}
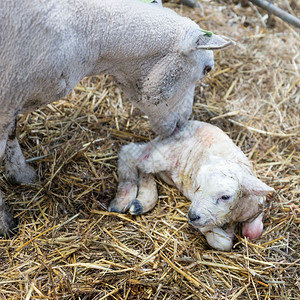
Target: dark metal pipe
{"points": [[272, 9]]}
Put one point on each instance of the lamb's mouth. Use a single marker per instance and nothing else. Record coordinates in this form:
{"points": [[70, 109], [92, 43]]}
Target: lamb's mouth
{"points": [[203, 228], [210, 224]]}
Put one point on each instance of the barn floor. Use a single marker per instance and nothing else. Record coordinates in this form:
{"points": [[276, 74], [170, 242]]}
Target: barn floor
{"points": [[69, 247]]}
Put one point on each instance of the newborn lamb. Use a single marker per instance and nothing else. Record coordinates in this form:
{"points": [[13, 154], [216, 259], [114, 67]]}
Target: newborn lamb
{"points": [[208, 168]]}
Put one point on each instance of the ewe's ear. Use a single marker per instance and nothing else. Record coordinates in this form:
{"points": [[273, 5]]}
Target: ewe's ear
{"points": [[253, 186], [206, 40], [210, 41]]}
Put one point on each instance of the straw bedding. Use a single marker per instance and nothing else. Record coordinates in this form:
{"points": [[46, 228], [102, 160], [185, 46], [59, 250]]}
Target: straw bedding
{"points": [[69, 247]]}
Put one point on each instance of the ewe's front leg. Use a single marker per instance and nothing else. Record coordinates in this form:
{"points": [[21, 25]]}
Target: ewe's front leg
{"points": [[17, 169], [7, 222]]}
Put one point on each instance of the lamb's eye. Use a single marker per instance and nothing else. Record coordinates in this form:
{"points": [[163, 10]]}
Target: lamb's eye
{"points": [[225, 197]]}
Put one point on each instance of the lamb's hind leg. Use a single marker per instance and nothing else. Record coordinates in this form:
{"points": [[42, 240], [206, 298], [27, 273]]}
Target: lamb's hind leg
{"points": [[135, 196], [17, 169], [137, 188], [147, 195], [128, 181]]}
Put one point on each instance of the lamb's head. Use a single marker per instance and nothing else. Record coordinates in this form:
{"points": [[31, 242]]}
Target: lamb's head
{"points": [[166, 90], [226, 192]]}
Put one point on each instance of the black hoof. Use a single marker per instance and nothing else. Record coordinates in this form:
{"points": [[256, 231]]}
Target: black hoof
{"points": [[114, 206], [136, 207], [114, 210]]}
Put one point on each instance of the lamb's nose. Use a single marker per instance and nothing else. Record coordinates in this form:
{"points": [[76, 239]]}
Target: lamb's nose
{"points": [[193, 217]]}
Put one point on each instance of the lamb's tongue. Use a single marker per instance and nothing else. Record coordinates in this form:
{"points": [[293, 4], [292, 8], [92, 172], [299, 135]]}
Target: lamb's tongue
{"points": [[253, 229]]}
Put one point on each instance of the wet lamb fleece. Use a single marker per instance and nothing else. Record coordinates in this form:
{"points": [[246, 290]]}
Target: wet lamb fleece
{"points": [[208, 168]]}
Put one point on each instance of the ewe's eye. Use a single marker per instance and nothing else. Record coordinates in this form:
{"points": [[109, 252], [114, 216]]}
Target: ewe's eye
{"points": [[225, 197]]}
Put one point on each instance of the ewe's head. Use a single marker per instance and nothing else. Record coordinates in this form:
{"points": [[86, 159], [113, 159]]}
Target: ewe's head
{"points": [[166, 92], [226, 192]]}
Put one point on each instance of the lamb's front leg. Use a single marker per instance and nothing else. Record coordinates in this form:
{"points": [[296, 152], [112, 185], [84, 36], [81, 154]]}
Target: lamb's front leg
{"points": [[219, 238], [137, 188], [16, 167]]}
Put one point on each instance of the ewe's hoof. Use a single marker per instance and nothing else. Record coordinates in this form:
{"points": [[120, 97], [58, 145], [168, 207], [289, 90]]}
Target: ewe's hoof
{"points": [[8, 225], [27, 175], [136, 207]]}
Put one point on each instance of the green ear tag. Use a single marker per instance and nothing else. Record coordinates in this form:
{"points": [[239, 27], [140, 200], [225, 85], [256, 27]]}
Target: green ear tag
{"points": [[146, 1], [207, 33]]}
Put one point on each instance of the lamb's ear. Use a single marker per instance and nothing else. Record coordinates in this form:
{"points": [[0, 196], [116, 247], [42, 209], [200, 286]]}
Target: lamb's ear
{"points": [[253, 186]]}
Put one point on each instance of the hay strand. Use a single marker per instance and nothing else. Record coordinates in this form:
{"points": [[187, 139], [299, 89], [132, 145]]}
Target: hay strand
{"points": [[70, 247]]}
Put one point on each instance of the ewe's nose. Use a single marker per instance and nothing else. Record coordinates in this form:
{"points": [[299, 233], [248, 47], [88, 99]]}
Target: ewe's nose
{"points": [[193, 217]]}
